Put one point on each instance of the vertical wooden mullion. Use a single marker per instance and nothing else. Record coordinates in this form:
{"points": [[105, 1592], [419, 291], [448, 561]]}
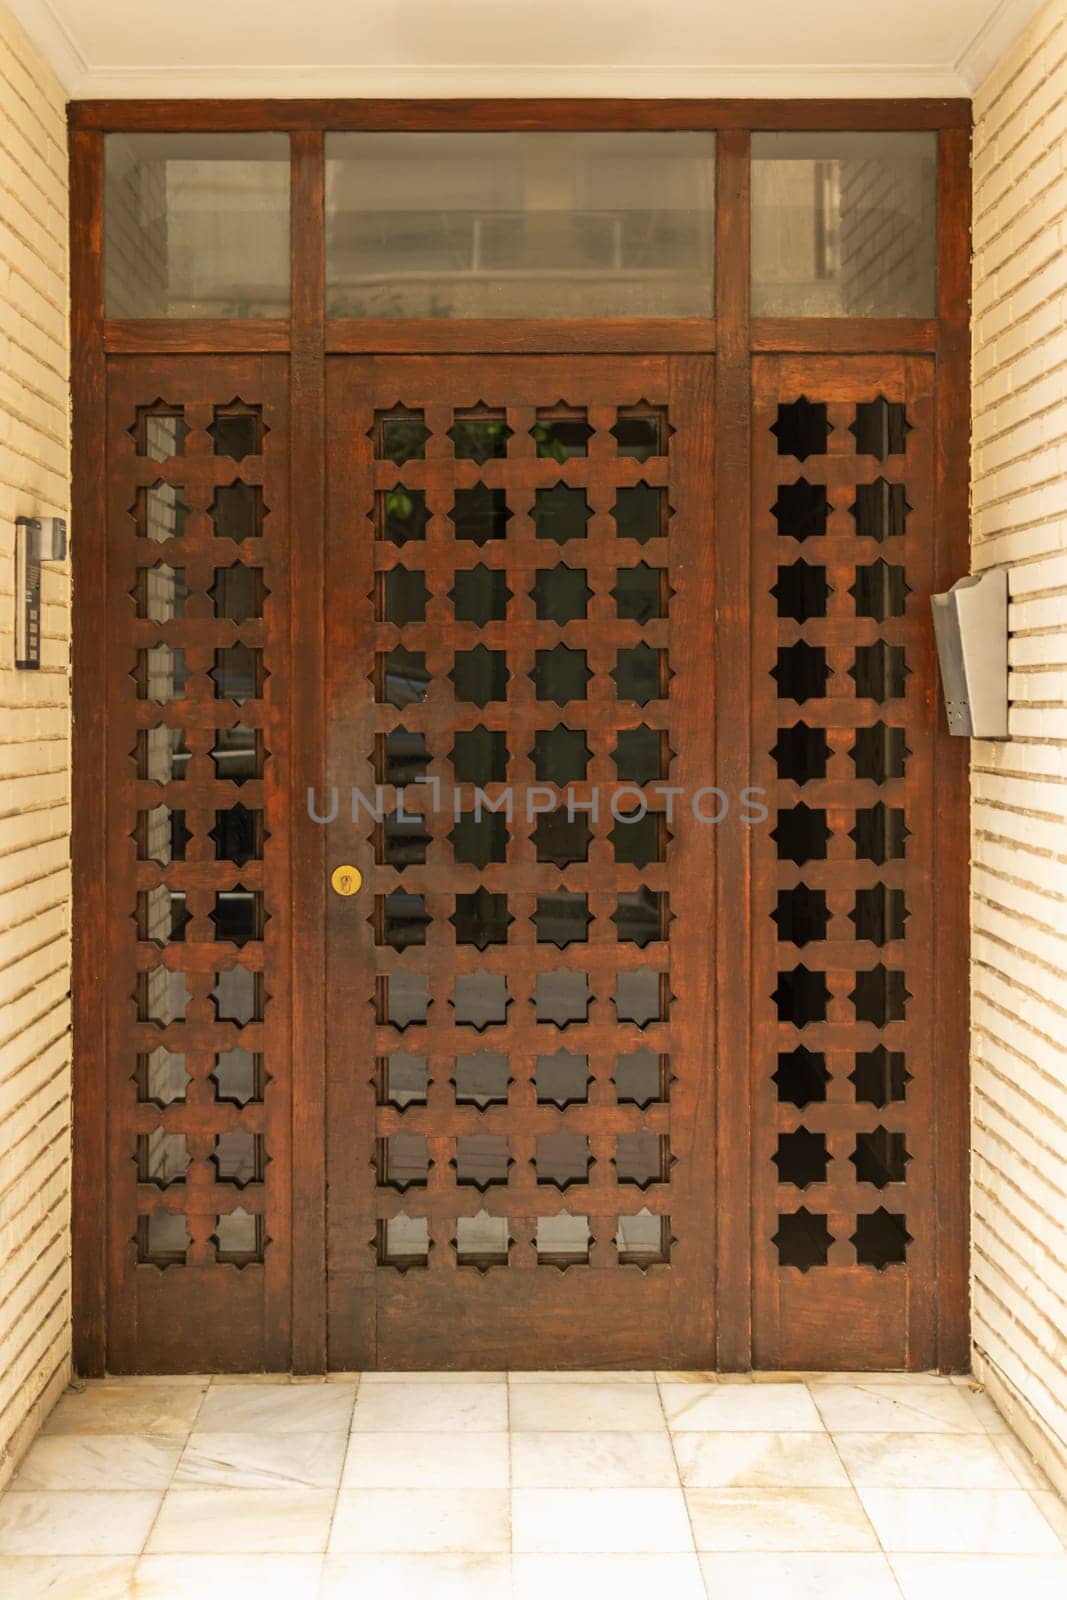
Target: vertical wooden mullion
{"points": [[89, 1202], [732, 738], [951, 1008], [307, 495]]}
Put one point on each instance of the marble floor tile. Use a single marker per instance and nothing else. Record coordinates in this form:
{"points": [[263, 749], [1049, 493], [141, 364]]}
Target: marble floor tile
{"points": [[589, 1577], [816, 1520], [924, 1461], [99, 1460], [242, 1522], [1020, 1462], [369, 1379], [431, 1408], [426, 1461], [322, 1408], [262, 1461], [740, 1408], [958, 1521], [906, 1380], [605, 1376], [759, 1461], [991, 1419], [69, 1522], [1054, 1510], [417, 1577], [974, 1577], [799, 1576], [586, 1408], [67, 1577], [213, 1577], [600, 1521], [421, 1521], [893, 1408], [563, 1460], [156, 1408]]}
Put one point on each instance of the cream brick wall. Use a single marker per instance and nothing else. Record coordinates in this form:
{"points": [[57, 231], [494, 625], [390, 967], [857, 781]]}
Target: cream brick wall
{"points": [[1019, 893], [34, 755]]}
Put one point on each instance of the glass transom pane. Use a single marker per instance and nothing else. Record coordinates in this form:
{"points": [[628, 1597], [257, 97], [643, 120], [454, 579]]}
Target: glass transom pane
{"points": [[520, 224], [843, 224], [196, 225]]}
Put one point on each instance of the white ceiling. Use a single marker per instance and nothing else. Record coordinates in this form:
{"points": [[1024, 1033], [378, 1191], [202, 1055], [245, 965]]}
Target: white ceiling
{"points": [[514, 47]]}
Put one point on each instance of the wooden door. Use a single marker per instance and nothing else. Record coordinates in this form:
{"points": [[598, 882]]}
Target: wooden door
{"points": [[846, 1237], [520, 613], [193, 969]]}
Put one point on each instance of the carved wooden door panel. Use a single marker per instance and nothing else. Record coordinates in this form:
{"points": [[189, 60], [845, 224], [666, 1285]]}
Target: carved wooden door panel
{"points": [[195, 885], [845, 1225], [519, 669]]}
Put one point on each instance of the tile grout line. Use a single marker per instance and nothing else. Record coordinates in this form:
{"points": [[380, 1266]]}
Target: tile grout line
{"points": [[337, 1491], [681, 1487], [159, 1508], [831, 1435]]}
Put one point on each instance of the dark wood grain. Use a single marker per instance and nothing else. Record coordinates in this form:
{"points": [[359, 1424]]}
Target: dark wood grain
{"points": [[951, 824], [843, 335], [489, 115], [307, 409], [529, 336], [187, 336], [732, 756]]}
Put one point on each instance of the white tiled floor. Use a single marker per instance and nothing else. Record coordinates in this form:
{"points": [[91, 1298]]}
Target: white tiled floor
{"points": [[537, 1486]]}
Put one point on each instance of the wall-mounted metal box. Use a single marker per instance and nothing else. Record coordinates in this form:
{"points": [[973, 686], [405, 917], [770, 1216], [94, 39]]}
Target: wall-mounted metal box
{"points": [[971, 628]]}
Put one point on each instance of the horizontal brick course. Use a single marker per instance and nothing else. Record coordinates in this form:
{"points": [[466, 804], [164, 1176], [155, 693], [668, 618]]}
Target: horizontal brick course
{"points": [[34, 754]]}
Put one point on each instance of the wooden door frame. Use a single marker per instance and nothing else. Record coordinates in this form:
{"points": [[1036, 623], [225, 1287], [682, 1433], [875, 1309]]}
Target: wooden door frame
{"points": [[307, 336]]}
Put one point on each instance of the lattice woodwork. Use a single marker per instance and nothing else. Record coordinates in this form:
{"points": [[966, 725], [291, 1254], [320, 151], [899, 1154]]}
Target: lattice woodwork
{"points": [[196, 967], [844, 1229], [519, 602]]}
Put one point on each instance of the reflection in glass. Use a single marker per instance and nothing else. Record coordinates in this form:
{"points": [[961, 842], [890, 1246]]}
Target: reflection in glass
{"points": [[482, 1241], [641, 754], [561, 594], [405, 596], [481, 918], [481, 1079], [238, 673], [480, 514], [403, 1080], [481, 999], [162, 754], [238, 1076], [562, 1079], [401, 514], [238, 753], [160, 510], [520, 224], [480, 755], [161, 592], [560, 755], [238, 996], [196, 224], [238, 592], [161, 674], [237, 431], [237, 511], [641, 512], [161, 1076], [843, 224], [562, 918], [640, 592], [481, 595], [641, 1076], [401, 919], [561, 513], [563, 1240]]}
